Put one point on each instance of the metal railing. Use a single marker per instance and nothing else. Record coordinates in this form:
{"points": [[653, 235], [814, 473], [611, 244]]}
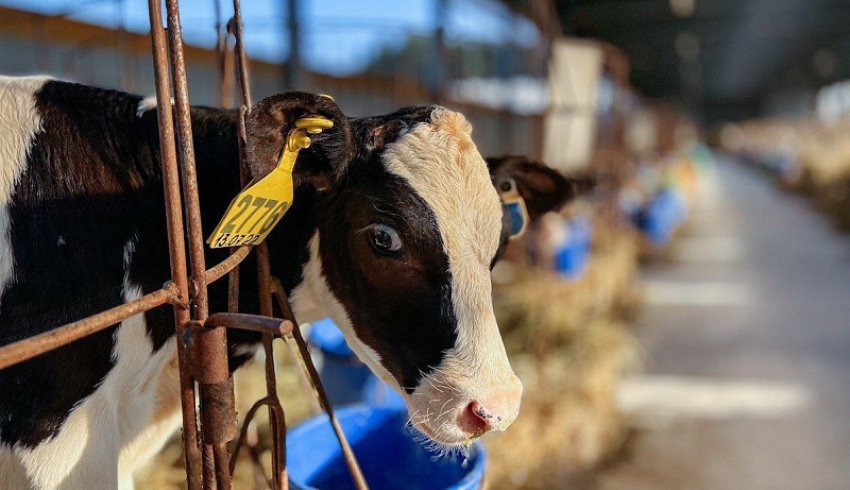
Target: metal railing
{"points": [[206, 386]]}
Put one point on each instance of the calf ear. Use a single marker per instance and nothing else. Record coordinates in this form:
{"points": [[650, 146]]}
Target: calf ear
{"points": [[373, 134], [542, 188], [268, 124]]}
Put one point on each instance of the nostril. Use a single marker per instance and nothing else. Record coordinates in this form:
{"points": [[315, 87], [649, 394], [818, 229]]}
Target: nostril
{"points": [[480, 418]]}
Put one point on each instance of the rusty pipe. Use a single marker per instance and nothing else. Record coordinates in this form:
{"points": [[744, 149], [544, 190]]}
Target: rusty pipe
{"points": [[28, 348], [186, 154], [235, 27], [247, 321], [176, 240], [219, 270]]}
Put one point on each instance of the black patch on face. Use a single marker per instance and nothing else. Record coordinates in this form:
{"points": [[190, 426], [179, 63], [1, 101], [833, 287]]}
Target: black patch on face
{"points": [[400, 304]]}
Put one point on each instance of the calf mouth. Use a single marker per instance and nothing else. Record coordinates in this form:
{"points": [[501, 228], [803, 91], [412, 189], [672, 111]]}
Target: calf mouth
{"points": [[442, 442], [436, 418], [439, 420]]}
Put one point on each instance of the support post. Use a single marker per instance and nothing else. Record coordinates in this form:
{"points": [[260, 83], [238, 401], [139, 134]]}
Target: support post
{"points": [[176, 243]]}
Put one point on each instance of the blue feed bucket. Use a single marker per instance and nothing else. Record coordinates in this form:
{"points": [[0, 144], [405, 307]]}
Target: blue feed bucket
{"points": [[345, 378], [342, 374], [572, 257], [662, 215], [389, 457]]}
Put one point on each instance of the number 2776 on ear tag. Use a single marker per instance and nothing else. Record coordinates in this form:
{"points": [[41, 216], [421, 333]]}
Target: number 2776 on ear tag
{"points": [[249, 220]]}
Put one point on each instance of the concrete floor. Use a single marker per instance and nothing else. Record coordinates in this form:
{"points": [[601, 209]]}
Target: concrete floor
{"points": [[747, 336]]}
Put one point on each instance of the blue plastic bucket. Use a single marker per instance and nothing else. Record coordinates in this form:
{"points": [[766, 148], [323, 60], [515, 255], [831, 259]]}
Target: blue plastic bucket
{"points": [[345, 378], [343, 375], [572, 256], [389, 457], [662, 215]]}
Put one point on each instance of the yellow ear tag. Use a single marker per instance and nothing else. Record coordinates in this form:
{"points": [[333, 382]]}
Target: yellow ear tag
{"points": [[253, 214]]}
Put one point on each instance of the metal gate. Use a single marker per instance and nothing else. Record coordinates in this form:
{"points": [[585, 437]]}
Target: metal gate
{"points": [[206, 386]]}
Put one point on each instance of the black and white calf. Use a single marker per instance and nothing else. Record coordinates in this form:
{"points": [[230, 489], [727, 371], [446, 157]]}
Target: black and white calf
{"points": [[393, 232]]}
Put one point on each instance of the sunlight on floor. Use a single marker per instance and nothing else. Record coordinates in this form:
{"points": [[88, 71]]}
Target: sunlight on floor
{"points": [[654, 400]]}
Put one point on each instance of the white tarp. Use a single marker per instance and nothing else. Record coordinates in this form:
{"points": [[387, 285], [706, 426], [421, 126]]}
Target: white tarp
{"points": [[575, 67]]}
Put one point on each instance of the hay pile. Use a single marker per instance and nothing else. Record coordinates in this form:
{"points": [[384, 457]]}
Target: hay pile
{"points": [[823, 173], [568, 345], [815, 158]]}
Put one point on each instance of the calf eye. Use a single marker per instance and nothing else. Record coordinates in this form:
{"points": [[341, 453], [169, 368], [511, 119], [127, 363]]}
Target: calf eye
{"points": [[385, 238]]}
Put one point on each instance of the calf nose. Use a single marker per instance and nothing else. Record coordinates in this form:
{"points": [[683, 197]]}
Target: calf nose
{"points": [[495, 411], [478, 418]]}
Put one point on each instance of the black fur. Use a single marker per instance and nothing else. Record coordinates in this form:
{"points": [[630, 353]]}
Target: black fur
{"points": [[93, 184]]}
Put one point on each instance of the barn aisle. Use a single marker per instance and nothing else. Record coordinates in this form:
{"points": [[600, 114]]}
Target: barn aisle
{"points": [[747, 336]]}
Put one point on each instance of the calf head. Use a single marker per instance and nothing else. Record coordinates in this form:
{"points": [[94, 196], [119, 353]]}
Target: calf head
{"points": [[409, 224]]}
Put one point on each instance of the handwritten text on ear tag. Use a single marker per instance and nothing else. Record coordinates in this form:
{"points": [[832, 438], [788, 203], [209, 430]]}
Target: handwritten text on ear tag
{"points": [[255, 211]]}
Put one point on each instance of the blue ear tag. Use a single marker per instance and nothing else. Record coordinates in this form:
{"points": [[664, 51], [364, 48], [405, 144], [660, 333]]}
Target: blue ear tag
{"points": [[517, 212]]}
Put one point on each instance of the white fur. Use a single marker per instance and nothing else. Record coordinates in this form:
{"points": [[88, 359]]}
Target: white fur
{"points": [[441, 163], [117, 428], [145, 105], [20, 123]]}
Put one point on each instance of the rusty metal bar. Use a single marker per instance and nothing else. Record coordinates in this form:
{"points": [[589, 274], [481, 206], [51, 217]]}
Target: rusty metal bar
{"points": [[209, 474], [235, 27], [218, 417], [277, 418], [34, 346], [233, 286], [265, 299], [225, 89], [222, 466], [186, 154], [227, 265], [28, 348], [279, 436], [348, 454], [222, 457], [247, 321], [225, 95], [176, 241]]}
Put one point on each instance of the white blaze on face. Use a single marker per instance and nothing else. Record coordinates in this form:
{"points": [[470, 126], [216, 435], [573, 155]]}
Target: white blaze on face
{"points": [[441, 163]]}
